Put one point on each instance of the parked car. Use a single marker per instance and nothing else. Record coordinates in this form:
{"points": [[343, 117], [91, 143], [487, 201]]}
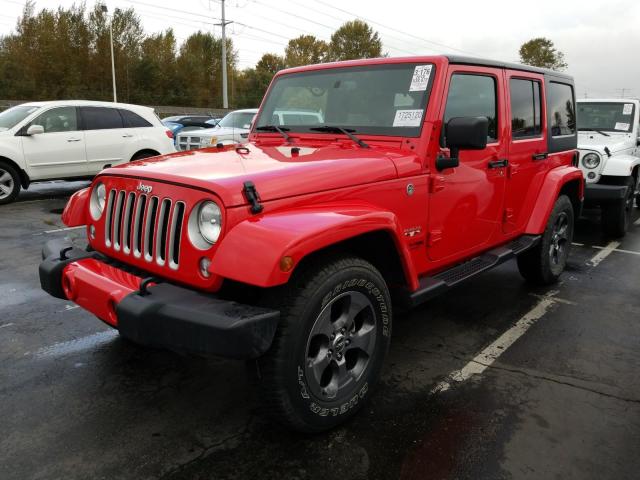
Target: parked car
{"points": [[609, 144], [194, 121], [233, 128], [73, 139], [294, 249]]}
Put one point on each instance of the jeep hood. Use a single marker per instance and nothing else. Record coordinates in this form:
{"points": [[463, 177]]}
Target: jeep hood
{"points": [[594, 141], [276, 171]]}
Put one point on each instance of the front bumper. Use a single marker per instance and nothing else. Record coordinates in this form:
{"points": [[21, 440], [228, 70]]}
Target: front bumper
{"points": [[596, 193], [161, 314]]}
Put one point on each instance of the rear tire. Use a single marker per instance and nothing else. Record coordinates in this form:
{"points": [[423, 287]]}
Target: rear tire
{"points": [[335, 326], [544, 264], [616, 217], [9, 183]]}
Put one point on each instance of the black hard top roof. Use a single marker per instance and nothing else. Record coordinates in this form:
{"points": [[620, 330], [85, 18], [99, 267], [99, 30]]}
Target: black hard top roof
{"points": [[462, 60]]}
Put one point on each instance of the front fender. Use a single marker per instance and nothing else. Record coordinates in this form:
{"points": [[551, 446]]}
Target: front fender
{"points": [[75, 212], [553, 183], [251, 251], [620, 165]]}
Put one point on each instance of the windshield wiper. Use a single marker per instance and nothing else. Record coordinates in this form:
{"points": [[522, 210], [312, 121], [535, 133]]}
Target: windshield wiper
{"points": [[274, 128], [593, 130], [346, 131]]}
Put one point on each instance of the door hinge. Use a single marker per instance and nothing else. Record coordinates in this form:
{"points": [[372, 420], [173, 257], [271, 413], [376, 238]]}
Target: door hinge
{"points": [[436, 183], [508, 215], [434, 237]]}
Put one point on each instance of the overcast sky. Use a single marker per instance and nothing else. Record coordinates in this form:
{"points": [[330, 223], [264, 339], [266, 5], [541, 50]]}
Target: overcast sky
{"points": [[601, 41]]}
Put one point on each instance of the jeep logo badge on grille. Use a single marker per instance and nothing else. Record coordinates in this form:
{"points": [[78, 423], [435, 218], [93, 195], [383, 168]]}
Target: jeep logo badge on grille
{"points": [[144, 188]]}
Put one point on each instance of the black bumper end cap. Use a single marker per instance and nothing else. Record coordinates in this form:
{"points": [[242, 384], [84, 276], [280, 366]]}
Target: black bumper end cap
{"points": [[187, 321], [595, 192], [56, 255]]}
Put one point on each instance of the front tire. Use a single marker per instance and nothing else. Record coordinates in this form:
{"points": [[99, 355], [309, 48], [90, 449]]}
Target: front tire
{"points": [[616, 217], [543, 264], [9, 183], [334, 332]]}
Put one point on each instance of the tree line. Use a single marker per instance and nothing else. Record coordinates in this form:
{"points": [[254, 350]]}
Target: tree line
{"points": [[65, 54]]}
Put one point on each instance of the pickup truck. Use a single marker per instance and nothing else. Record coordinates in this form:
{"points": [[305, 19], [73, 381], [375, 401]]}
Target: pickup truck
{"points": [[293, 250]]}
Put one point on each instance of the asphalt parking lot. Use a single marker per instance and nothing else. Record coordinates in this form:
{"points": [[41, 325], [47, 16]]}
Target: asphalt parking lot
{"points": [[496, 380]]}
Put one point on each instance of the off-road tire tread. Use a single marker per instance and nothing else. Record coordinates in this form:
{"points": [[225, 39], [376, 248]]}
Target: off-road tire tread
{"points": [[613, 216], [292, 299], [534, 264]]}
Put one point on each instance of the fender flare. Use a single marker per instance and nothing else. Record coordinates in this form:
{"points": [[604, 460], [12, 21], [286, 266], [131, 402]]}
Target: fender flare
{"points": [[251, 251], [620, 165], [555, 180], [75, 212]]}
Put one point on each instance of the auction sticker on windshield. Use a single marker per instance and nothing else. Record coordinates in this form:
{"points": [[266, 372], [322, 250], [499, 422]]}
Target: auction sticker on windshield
{"points": [[621, 126], [628, 108], [420, 78], [407, 118]]}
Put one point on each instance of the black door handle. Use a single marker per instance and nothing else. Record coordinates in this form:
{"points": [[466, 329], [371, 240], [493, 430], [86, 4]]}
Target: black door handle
{"points": [[498, 163], [540, 156]]}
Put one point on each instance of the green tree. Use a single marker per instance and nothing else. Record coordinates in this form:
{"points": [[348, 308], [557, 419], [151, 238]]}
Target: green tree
{"points": [[355, 39], [305, 50], [540, 52]]}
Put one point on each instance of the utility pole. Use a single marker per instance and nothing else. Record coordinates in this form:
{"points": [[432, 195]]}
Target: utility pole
{"points": [[113, 65], [223, 24]]}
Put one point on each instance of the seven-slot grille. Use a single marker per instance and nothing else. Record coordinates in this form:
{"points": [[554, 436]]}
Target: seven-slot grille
{"points": [[144, 226]]}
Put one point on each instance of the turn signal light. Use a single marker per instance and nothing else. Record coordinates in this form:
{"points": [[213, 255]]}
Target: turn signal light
{"points": [[169, 134], [286, 264]]}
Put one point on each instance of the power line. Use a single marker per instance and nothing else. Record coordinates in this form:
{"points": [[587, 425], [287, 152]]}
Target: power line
{"points": [[393, 29]]}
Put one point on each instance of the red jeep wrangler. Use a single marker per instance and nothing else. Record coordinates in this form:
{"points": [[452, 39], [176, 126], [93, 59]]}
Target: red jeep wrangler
{"points": [[365, 184]]}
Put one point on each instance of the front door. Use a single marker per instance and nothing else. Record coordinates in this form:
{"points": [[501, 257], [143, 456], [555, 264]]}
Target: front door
{"points": [[59, 152], [528, 162], [466, 202]]}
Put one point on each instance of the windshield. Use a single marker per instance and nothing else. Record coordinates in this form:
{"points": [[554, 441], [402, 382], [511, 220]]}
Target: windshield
{"points": [[608, 117], [237, 120], [374, 99], [13, 116]]}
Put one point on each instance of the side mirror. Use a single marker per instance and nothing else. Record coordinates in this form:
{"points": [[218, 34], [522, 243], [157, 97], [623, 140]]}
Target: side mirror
{"points": [[35, 130], [463, 133]]}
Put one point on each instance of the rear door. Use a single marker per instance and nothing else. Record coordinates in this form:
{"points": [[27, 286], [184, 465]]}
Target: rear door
{"points": [[528, 156], [107, 141], [466, 202], [59, 152]]}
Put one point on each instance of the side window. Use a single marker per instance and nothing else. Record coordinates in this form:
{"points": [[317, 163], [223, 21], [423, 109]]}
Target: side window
{"points": [[63, 119], [526, 117], [101, 118], [562, 109], [133, 120], [473, 95]]}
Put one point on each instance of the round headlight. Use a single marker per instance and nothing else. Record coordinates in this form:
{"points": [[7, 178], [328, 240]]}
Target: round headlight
{"points": [[591, 160], [98, 200], [205, 224]]}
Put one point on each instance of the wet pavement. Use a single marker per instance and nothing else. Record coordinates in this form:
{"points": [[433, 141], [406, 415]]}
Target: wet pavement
{"points": [[554, 390]]}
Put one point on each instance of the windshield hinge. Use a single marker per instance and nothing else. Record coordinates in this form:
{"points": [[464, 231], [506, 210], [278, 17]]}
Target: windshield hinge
{"points": [[252, 197]]}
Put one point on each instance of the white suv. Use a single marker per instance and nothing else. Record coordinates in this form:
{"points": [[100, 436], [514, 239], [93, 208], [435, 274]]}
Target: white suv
{"points": [[74, 139], [609, 145]]}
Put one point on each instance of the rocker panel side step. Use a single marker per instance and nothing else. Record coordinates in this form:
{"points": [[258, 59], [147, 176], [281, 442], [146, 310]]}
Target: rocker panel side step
{"points": [[434, 285]]}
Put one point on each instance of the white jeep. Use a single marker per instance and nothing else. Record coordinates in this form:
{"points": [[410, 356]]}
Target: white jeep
{"points": [[609, 145]]}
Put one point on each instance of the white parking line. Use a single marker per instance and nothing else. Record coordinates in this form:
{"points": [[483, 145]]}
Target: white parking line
{"points": [[637, 222], [77, 345], [490, 354], [604, 253], [59, 230], [620, 250], [6, 325]]}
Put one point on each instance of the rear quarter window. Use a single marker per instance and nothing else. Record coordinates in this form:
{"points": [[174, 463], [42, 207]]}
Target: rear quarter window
{"points": [[561, 114], [101, 118], [133, 120]]}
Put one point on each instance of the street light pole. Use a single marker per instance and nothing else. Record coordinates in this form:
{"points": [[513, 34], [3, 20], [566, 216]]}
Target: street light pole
{"points": [[113, 65], [225, 99]]}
